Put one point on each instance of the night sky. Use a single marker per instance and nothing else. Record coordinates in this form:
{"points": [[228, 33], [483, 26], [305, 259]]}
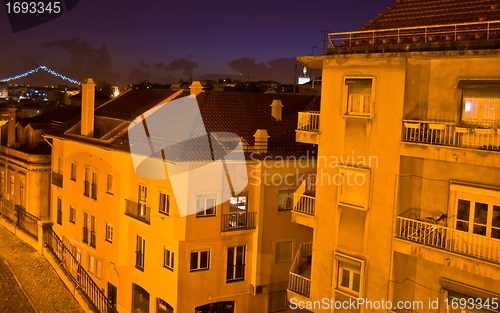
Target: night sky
{"points": [[124, 42]]}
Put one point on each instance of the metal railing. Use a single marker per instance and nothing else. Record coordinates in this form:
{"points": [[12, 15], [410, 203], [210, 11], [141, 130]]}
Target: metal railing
{"points": [[238, 221], [27, 221], [57, 179], [93, 239], [80, 276], [308, 121], [303, 260], [412, 227], [449, 134], [304, 203], [7, 207], [487, 30], [310, 183], [138, 211], [277, 301]]}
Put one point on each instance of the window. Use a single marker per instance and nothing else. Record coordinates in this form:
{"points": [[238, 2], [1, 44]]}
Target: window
{"points": [[73, 171], [21, 192], [143, 195], [238, 204], [353, 187], [59, 164], [85, 228], [349, 274], [168, 259], [164, 203], [95, 266], [283, 251], [139, 253], [477, 211], [205, 205], [109, 232], [285, 200], [235, 264], [2, 181], [93, 235], [59, 211], [109, 184], [359, 96], [481, 106], [12, 185], [72, 214], [94, 185], [200, 260], [86, 182]]}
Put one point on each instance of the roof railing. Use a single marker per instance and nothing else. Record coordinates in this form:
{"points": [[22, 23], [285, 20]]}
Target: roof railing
{"points": [[450, 32]]}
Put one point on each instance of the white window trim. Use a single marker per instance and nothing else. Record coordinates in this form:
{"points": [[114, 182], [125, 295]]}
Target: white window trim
{"points": [[216, 207], [168, 202], [351, 170], [275, 244], [200, 249], [108, 223], [345, 108], [292, 191], [245, 261], [338, 256]]}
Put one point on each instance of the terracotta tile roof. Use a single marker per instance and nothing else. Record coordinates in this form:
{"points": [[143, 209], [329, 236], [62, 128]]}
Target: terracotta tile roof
{"points": [[238, 113], [413, 13]]}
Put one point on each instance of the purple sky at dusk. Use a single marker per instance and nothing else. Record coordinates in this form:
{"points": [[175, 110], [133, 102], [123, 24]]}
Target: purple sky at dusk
{"points": [[129, 41]]}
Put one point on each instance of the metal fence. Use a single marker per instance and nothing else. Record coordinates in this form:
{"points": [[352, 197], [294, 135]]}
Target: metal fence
{"points": [[238, 221], [27, 221], [81, 277]]}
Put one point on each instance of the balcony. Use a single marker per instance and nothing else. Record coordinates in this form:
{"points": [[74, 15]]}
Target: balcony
{"points": [[308, 127], [300, 272], [238, 221], [140, 212], [57, 179], [425, 231], [450, 134], [304, 200]]}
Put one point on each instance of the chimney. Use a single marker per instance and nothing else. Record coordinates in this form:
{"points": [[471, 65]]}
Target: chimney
{"points": [[261, 137], [88, 94], [11, 128], [195, 88], [276, 109]]}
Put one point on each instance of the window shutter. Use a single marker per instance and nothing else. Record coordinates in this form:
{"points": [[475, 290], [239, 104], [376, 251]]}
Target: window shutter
{"points": [[283, 251]]}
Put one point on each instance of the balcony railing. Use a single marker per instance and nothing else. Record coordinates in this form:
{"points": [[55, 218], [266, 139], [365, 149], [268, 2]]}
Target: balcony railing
{"points": [[449, 134], [139, 211], [300, 272], [238, 221], [57, 179], [308, 121], [417, 229], [304, 203]]}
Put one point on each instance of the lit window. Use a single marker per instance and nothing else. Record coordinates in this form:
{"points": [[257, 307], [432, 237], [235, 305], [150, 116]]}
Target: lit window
{"points": [[349, 274], [238, 204], [285, 200], [283, 251], [164, 203], [205, 205], [21, 192], [95, 266], [109, 232], [481, 106], [143, 196], [200, 260], [235, 264], [353, 190], [168, 259], [359, 96]]}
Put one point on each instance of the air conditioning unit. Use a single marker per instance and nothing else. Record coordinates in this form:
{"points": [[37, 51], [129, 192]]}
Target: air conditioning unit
{"points": [[259, 290]]}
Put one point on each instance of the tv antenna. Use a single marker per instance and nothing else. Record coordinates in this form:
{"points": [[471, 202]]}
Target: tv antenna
{"points": [[190, 55]]}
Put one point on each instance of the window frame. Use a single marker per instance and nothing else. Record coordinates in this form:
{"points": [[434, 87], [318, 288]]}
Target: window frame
{"points": [[352, 170], [480, 98], [22, 192], [346, 97], [285, 191], [166, 202], [234, 256], [97, 265], [346, 262], [140, 252], [168, 258], [59, 211], [110, 181], [72, 214], [204, 212], [198, 252], [243, 194], [142, 202], [73, 171], [109, 231], [275, 250]]}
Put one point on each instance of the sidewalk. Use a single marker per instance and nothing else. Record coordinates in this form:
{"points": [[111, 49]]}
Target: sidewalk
{"points": [[39, 280]]}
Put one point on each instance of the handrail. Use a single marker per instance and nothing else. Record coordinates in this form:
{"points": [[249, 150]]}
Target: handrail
{"points": [[304, 204]]}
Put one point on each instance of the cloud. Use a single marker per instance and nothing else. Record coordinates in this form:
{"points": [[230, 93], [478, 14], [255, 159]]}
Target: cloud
{"points": [[159, 65], [84, 60], [137, 76], [143, 64], [180, 64], [280, 70]]}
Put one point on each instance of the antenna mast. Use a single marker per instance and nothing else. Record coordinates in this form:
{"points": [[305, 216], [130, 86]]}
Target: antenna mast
{"points": [[190, 59]]}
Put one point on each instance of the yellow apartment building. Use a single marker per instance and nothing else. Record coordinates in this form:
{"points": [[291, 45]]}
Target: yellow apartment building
{"points": [[128, 231], [407, 199]]}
